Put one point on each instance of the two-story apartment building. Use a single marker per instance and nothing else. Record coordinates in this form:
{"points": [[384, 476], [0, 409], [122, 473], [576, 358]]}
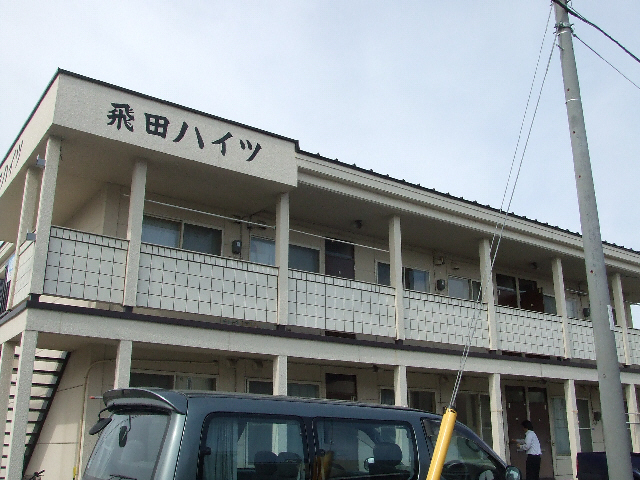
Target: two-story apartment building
{"points": [[148, 244]]}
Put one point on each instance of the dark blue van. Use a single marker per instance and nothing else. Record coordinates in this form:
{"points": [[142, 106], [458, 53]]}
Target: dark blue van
{"points": [[163, 435]]}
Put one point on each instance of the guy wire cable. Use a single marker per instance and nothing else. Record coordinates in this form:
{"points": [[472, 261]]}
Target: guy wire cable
{"points": [[499, 231], [605, 60]]}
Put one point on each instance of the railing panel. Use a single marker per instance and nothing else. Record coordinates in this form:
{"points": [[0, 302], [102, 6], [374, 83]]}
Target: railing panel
{"points": [[529, 332], [173, 279], [582, 339], [85, 266], [619, 343], [25, 267], [634, 345], [338, 304], [440, 319]]}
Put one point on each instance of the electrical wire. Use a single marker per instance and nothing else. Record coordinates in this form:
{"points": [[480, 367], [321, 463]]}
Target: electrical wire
{"points": [[606, 61], [573, 12], [500, 227]]}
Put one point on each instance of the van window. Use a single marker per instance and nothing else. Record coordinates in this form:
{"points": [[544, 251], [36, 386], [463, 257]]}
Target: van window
{"points": [[252, 447], [364, 449], [466, 458], [129, 447]]}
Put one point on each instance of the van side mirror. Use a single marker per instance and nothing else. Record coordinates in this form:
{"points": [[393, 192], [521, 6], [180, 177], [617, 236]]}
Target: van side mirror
{"points": [[513, 473], [99, 425], [368, 462]]}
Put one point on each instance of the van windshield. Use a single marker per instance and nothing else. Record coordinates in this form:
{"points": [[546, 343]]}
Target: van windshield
{"points": [[128, 447]]}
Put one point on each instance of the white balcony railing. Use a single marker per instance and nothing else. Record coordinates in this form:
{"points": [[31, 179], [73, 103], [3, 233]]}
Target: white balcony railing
{"points": [[182, 281], [92, 268], [634, 345], [582, 341], [338, 304], [440, 319], [85, 266], [529, 332]]}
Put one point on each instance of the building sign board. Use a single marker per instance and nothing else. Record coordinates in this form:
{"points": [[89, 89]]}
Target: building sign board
{"points": [[139, 120]]}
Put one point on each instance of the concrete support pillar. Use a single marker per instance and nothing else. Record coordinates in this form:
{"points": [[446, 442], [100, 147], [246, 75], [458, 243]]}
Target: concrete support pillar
{"points": [[395, 257], [572, 422], [400, 385], [6, 369], [621, 315], [634, 416], [27, 216], [18, 436], [45, 214], [282, 257], [280, 375], [497, 415], [486, 280], [134, 231], [123, 364], [561, 305]]}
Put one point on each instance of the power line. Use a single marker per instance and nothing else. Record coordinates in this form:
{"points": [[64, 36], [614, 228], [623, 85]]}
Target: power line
{"points": [[497, 236], [606, 61], [581, 18]]}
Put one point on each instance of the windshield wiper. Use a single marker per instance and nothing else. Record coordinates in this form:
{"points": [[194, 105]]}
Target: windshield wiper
{"points": [[114, 476]]}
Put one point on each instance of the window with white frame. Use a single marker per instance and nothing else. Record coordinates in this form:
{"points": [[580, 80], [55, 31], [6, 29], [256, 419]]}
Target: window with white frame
{"points": [[521, 293], [584, 425], [474, 411], [412, 278], [294, 389], [464, 288], [560, 426], [422, 400], [263, 250], [387, 396], [171, 381], [550, 305], [573, 306], [634, 321], [177, 234]]}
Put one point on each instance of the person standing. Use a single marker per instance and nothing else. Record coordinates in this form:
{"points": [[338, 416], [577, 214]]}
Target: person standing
{"points": [[531, 445]]}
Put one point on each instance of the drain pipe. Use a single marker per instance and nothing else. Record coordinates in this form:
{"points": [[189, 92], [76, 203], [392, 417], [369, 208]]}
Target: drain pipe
{"points": [[81, 424]]}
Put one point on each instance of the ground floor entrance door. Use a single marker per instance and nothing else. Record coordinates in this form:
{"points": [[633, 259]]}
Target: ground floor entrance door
{"points": [[529, 403], [539, 416], [516, 414]]}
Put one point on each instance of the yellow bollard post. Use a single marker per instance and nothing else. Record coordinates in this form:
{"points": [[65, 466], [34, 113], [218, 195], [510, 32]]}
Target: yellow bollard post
{"points": [[442, 444]]}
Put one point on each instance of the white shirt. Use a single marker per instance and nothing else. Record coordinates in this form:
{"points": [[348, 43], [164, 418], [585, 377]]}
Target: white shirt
{"points": [[531, 443]]}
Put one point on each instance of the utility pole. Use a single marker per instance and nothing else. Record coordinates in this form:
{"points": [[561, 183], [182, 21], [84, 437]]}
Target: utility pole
{"points": [[616, 440]]}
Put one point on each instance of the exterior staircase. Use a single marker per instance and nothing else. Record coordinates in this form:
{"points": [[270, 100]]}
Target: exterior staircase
{"points": [[48, 369]]}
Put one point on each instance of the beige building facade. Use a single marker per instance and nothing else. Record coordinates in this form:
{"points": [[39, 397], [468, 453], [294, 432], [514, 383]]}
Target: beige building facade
{"points": [[148, 244]]}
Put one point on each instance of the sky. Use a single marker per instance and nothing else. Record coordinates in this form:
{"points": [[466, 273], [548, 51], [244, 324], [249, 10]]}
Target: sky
{"points": [[433, 92]]}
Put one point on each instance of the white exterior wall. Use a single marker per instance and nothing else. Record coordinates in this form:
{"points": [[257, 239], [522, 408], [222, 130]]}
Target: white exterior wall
{"points": [[91, 216], [89, 372]]}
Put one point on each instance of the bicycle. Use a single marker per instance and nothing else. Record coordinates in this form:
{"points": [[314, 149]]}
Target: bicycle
{"points": [[35, 476]]}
